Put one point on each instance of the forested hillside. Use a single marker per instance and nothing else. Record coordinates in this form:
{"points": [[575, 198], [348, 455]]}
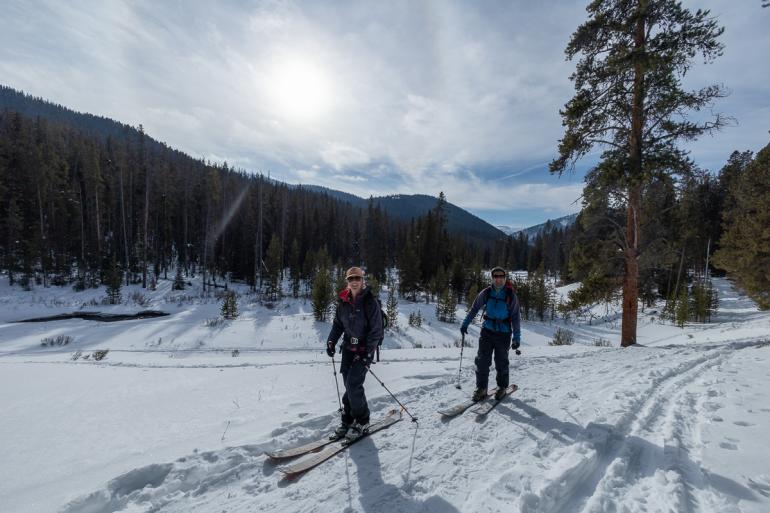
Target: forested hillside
{"points": [[86, 198]]}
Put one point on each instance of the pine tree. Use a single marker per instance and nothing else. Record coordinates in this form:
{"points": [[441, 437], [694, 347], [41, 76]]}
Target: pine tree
{"points": [[704, 301], [322, 294], [374, 285], [178, 279], [295, 268], [471, 297], [630, 101], [682, 309], [114, 281], [391, 308], [409, 272], [744, 249], [441, 307], [446, 306], [274, 266], [13, 240], [451, 306], [229, 308]]}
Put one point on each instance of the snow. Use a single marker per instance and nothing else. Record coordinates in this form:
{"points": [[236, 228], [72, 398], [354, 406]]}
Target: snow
{"points": [[171, 421]]}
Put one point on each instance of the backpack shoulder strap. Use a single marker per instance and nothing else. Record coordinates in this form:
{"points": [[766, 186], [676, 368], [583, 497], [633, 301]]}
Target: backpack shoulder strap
{"points": [[487, 291]]}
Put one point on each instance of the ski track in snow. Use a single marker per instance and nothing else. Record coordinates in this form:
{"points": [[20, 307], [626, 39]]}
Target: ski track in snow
{"points": [[520, 455]]}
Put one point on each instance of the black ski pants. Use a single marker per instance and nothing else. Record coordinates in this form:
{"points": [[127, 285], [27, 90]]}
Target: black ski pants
{"points": [[496, 342], [354, 400]]}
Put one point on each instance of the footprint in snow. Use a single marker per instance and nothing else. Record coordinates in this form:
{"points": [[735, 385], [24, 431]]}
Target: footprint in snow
{"points": [[742, 423], [760, 484], [729, 446]]}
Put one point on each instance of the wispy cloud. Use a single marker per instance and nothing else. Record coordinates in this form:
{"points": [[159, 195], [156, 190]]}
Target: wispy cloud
{"points": [[404, 96]]}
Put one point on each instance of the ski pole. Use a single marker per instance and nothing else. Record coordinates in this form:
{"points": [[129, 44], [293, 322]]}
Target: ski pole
{"points": [[414, 419], [334, 368], [462, 347]]}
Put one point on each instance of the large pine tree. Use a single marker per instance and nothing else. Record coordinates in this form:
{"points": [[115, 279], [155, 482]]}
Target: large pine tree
{"points": [[630, 101]]}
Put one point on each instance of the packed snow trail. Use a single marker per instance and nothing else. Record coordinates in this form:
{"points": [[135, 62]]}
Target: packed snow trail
{"points": [[616, 430]]}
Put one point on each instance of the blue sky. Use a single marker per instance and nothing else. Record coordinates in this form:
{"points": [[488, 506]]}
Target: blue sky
{"points": [[369, 97]]}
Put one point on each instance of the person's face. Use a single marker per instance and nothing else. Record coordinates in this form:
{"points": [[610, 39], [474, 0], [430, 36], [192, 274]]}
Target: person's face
{"points": [[499, 278], [355, 283]]}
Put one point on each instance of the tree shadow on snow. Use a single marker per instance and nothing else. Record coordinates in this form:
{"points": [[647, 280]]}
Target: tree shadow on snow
{"points": [[644, 458], [377, 495]]}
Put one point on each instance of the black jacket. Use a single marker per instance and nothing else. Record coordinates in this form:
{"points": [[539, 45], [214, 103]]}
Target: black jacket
{"points": [[361, 320]]}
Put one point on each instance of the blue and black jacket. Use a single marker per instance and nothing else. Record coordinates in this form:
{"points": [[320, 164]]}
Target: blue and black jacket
{"points": [[501, 310]]}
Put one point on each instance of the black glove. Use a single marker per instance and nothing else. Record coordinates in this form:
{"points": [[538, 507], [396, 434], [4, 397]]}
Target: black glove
{"points": [[367, 359], [515, 344], [330, 348], [464, 329]]}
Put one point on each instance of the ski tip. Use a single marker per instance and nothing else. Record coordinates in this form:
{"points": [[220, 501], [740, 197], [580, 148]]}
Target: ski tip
{"points": [[289, 476]]}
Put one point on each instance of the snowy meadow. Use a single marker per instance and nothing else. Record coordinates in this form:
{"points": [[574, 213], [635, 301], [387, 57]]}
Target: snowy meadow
{"points": [[175, 413]]}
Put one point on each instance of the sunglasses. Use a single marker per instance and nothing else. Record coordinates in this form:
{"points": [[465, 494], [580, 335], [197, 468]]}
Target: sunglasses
{"points": [[354, 278], [498, 276]]}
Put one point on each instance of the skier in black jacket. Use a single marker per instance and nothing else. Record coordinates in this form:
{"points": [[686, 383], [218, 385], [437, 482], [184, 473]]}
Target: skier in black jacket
{"points": [[359, 319]]}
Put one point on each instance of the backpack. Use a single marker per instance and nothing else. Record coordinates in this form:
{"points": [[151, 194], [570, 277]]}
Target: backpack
{"points": [[509, 292], [384, 322]]}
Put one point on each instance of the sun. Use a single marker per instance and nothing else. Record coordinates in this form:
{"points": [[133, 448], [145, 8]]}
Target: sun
{"points": [[299, 90]]}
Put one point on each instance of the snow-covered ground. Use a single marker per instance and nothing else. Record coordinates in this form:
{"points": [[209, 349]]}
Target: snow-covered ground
{"points": [[171, 421]]}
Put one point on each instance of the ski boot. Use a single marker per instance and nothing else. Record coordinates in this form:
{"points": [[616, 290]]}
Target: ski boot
{"points": [[341, 432], [479, 395], [356, 431], [500, 393]]}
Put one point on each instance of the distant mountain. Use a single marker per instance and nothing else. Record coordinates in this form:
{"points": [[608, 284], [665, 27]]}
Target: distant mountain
{"points": [[532, 231], [96, 126], [409, 206], [342, 196], [405, 207], [509, 230]]}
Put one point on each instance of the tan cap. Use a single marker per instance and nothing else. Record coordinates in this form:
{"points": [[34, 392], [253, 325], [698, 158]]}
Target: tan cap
{"points": [[354, 271]]}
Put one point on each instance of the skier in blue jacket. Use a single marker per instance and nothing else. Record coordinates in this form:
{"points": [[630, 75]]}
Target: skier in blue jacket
{"points": [[500, 332]]}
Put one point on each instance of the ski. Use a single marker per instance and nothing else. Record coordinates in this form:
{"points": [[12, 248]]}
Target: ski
{"points": [[283, 454], [488, 406], [459, 408], [331, 448]]}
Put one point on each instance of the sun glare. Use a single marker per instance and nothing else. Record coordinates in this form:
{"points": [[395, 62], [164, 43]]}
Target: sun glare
{"points": [[299, 90]]}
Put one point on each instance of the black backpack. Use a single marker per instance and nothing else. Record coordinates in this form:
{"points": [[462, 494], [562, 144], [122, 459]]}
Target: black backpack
{"points": [[384, 322]]}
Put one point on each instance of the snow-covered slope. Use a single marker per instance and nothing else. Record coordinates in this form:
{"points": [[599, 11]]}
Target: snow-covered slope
{"points": [[171, 421]]}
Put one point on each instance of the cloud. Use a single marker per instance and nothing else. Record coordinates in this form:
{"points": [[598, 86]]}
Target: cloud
{"points": [[349, 178], [340, 156], [409, 95]]}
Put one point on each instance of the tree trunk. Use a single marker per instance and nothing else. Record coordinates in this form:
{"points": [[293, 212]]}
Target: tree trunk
{"points": [[631, 278], [43, 237], [185, 245], [98, 224], [146, 219], [636, 178], [123, 215]]}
